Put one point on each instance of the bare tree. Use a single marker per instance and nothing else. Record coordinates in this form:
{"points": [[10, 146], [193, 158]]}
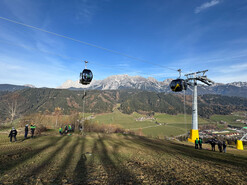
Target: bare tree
{"points": [[57, 112], [11, 105]]}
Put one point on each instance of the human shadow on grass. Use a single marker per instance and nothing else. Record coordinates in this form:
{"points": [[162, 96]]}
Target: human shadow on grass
{"points": [[25, 155], [81, 173], [36, 170], [117, 173]]}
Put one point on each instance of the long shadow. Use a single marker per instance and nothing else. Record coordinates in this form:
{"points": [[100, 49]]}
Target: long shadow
{"points": [[81, 172], [66, 161], [154, 145], [222, 158], [5, 166], [35, 171], [118, 174], [120, 143], [175, 148], [152, 170]]}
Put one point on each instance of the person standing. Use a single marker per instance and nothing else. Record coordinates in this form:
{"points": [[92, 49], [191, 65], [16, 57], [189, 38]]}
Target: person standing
{"points": [[220, 146], [200, 143], [13, 133], [224, 146], [33, 127], [196, 143], [213, 143], [26, 131]]}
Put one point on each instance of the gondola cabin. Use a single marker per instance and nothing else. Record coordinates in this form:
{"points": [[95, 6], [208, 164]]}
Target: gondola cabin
{"points": [[178, 85], [86, 77]]}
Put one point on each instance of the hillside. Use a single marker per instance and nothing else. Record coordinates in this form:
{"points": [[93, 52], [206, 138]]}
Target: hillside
{"points": [[9, 87], [116, 159], [34, 100]]}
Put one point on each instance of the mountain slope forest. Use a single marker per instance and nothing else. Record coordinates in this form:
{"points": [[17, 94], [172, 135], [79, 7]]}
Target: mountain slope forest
{"points": [[45, 100]]}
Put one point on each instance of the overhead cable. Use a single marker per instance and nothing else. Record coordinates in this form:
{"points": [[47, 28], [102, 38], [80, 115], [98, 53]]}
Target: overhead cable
{"points": [[86, 43]]}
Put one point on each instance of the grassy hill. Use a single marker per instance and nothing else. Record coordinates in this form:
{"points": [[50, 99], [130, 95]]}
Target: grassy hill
{"points": [[116, 159]]}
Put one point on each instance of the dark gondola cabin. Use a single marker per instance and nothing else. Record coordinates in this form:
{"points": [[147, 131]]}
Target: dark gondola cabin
{"points": [[86, 77], [178, 85]]}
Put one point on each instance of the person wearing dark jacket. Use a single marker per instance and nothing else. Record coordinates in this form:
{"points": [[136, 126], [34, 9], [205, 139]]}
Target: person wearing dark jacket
{"points": [[224, 146], [65, 130], [13, 133], [220, 146], [26, 131], [213, 143]]}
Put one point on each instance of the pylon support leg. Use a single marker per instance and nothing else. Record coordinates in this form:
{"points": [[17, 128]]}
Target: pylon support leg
{"points": [[193, 135]]}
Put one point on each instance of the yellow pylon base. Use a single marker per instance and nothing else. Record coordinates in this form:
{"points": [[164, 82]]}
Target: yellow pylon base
{"points": [[193, 135], [240, 145]]}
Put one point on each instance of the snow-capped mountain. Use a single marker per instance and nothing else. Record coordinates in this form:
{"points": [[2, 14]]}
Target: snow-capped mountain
{"points": [[117, 82]]}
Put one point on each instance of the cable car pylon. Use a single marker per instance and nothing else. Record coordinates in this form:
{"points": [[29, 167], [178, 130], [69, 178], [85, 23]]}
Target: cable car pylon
{"points": [[179, 85], [240, 145]]}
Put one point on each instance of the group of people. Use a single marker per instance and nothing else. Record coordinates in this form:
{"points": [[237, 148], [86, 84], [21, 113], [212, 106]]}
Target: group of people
{"points": [[198, 142], [13, 132], [67, 130], [213, 142], [221, 145]]}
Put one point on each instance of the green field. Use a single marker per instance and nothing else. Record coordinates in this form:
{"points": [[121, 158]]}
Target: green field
{"points": [[165, 130], [124, 120], [116, 159], [229, 119], [174, 124], [180, 118]]}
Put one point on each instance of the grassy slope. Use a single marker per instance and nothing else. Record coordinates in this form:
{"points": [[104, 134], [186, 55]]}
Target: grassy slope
{"points": [[116, 159]]}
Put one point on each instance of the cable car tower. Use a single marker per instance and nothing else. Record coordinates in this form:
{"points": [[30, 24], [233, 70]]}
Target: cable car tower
{"points": [[179, 85], [191, 80]]}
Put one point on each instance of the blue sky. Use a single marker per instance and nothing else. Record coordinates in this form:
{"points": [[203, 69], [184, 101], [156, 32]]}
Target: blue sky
{"points": [[192, 35]]}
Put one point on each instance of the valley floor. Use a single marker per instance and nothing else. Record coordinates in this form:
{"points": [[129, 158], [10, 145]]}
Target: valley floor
{"points": [[115, 159]]}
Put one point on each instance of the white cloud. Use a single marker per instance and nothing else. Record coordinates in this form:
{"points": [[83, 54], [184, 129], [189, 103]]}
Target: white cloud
{"points": [[233, 69], [206, 5], [85, 11], [229, 78]]}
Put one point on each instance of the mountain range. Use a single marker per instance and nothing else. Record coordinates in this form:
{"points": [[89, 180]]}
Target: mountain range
{"points": [[119, 82], [126, 82]]}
